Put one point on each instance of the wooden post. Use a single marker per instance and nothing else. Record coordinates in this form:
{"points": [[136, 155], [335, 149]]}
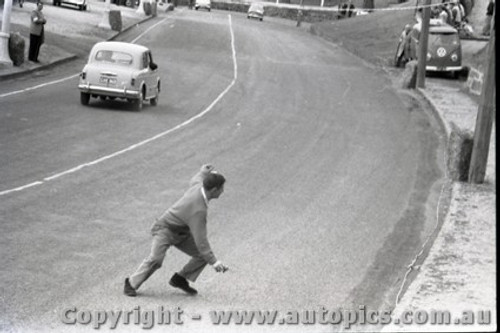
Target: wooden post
{"points": [[484, 120], [423, 39]]}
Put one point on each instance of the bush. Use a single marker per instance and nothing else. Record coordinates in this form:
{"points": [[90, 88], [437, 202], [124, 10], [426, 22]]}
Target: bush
{"points": [[16, 48], [459, 154], [410, 75], [147, 8], [115, 20]]}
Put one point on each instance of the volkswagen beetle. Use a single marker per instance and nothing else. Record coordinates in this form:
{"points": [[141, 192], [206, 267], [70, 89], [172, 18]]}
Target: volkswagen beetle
{"points": [[444, 50], [120, 70]]}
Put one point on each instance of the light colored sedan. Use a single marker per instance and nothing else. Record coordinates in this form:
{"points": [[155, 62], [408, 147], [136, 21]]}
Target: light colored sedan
{"points": [[120, 70], [81, 4], [256, 11], [205, 4]]}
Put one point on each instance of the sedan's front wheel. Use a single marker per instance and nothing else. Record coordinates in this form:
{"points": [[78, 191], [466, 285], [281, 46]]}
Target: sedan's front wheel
{"points": [[84, 98]]}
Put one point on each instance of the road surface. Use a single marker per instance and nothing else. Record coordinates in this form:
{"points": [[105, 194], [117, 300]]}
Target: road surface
{"points": [[332, 179]]}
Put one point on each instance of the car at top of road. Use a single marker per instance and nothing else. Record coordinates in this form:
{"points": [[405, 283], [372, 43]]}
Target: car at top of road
{"points": [[81, 4], [204, 4], [120, 70], [444, 49], [256, 11]]}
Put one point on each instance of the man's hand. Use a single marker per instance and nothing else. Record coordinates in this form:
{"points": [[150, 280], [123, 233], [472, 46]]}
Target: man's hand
{"points": [[220, 267], [207, 168]]}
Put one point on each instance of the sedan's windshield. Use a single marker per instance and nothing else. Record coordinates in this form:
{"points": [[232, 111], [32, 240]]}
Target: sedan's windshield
{"points": [[114, 57]]}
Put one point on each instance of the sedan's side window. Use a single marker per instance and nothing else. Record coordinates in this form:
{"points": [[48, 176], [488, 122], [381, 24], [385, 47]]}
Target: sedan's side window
{"points": [[145, 60]]}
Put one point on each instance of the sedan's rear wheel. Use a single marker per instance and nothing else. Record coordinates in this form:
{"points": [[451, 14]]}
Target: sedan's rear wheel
{"points": [[84, 98], [138, 103], [154, 101]]}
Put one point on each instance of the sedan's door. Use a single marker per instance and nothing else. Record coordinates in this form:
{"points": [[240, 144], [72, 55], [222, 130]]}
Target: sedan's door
{"points": [[148, 75], [153, 75]]}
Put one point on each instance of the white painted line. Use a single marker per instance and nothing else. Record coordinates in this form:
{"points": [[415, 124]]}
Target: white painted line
{"points": [[20, 188], [148, 30], [151, 139], [38, 86]]}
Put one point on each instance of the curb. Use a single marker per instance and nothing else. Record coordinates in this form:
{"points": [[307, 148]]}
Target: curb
{"points": [[68, 58], [37, 69], [130, 27], [435, 108]]}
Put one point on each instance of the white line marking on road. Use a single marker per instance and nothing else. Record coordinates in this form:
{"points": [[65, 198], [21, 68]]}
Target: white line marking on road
{"points": [[142, 143], [148, 30], [38, 86], [20, 188]]}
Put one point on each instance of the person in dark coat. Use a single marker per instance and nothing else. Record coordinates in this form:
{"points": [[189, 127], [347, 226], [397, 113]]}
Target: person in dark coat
{"points": [[489, 17], [36, 32]]}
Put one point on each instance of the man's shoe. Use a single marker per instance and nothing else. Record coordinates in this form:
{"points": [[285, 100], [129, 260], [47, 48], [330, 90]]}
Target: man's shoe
{"points": [[128, 289], [178, 281]]}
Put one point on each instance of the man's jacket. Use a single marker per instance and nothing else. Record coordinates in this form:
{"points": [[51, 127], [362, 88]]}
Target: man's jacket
{"points": [[37, 22], [189, 215]]}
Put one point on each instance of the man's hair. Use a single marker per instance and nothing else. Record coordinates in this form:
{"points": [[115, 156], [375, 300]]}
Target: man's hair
{"points": [[213, 180]]}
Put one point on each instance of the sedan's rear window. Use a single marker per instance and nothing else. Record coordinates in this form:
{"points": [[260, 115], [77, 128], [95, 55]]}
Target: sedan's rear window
{"points": [[114, 57]]}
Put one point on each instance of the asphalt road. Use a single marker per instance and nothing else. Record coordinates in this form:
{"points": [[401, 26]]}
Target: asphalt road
{"points": [[332, 179]]}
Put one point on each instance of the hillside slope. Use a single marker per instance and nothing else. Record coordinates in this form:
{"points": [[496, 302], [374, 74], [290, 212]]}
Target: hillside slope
{"points": [[374, 37]]}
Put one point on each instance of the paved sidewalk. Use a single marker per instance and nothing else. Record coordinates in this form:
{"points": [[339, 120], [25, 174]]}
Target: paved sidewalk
{"points": [[459, 272]]}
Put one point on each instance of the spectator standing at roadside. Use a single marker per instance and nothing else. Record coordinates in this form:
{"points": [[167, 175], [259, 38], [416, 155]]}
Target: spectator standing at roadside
{"points": [[351, 9], [37, 33], [443, 14], [435, 11], [457, 13], [489, 16], [343, 10], [183, 225]]}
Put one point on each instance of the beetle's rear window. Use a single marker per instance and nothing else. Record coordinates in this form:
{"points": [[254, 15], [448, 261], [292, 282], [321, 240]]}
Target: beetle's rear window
{"points": [[114, 57]]}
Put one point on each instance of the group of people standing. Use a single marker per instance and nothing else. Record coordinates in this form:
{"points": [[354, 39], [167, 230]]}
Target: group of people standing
{"points": [[450, 12], [454, 13]]}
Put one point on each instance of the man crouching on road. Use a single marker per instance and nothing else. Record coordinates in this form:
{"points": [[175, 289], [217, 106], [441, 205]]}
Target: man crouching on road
{"points": [[184, 225]]}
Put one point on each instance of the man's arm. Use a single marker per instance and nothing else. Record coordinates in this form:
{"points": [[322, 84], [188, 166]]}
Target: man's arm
{"points": [[198, 178], [198, 227], [35, 17]]}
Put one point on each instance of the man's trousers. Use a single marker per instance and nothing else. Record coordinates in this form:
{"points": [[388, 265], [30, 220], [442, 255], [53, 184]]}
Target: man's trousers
{"points": [[35, 44], [162, 240]]}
